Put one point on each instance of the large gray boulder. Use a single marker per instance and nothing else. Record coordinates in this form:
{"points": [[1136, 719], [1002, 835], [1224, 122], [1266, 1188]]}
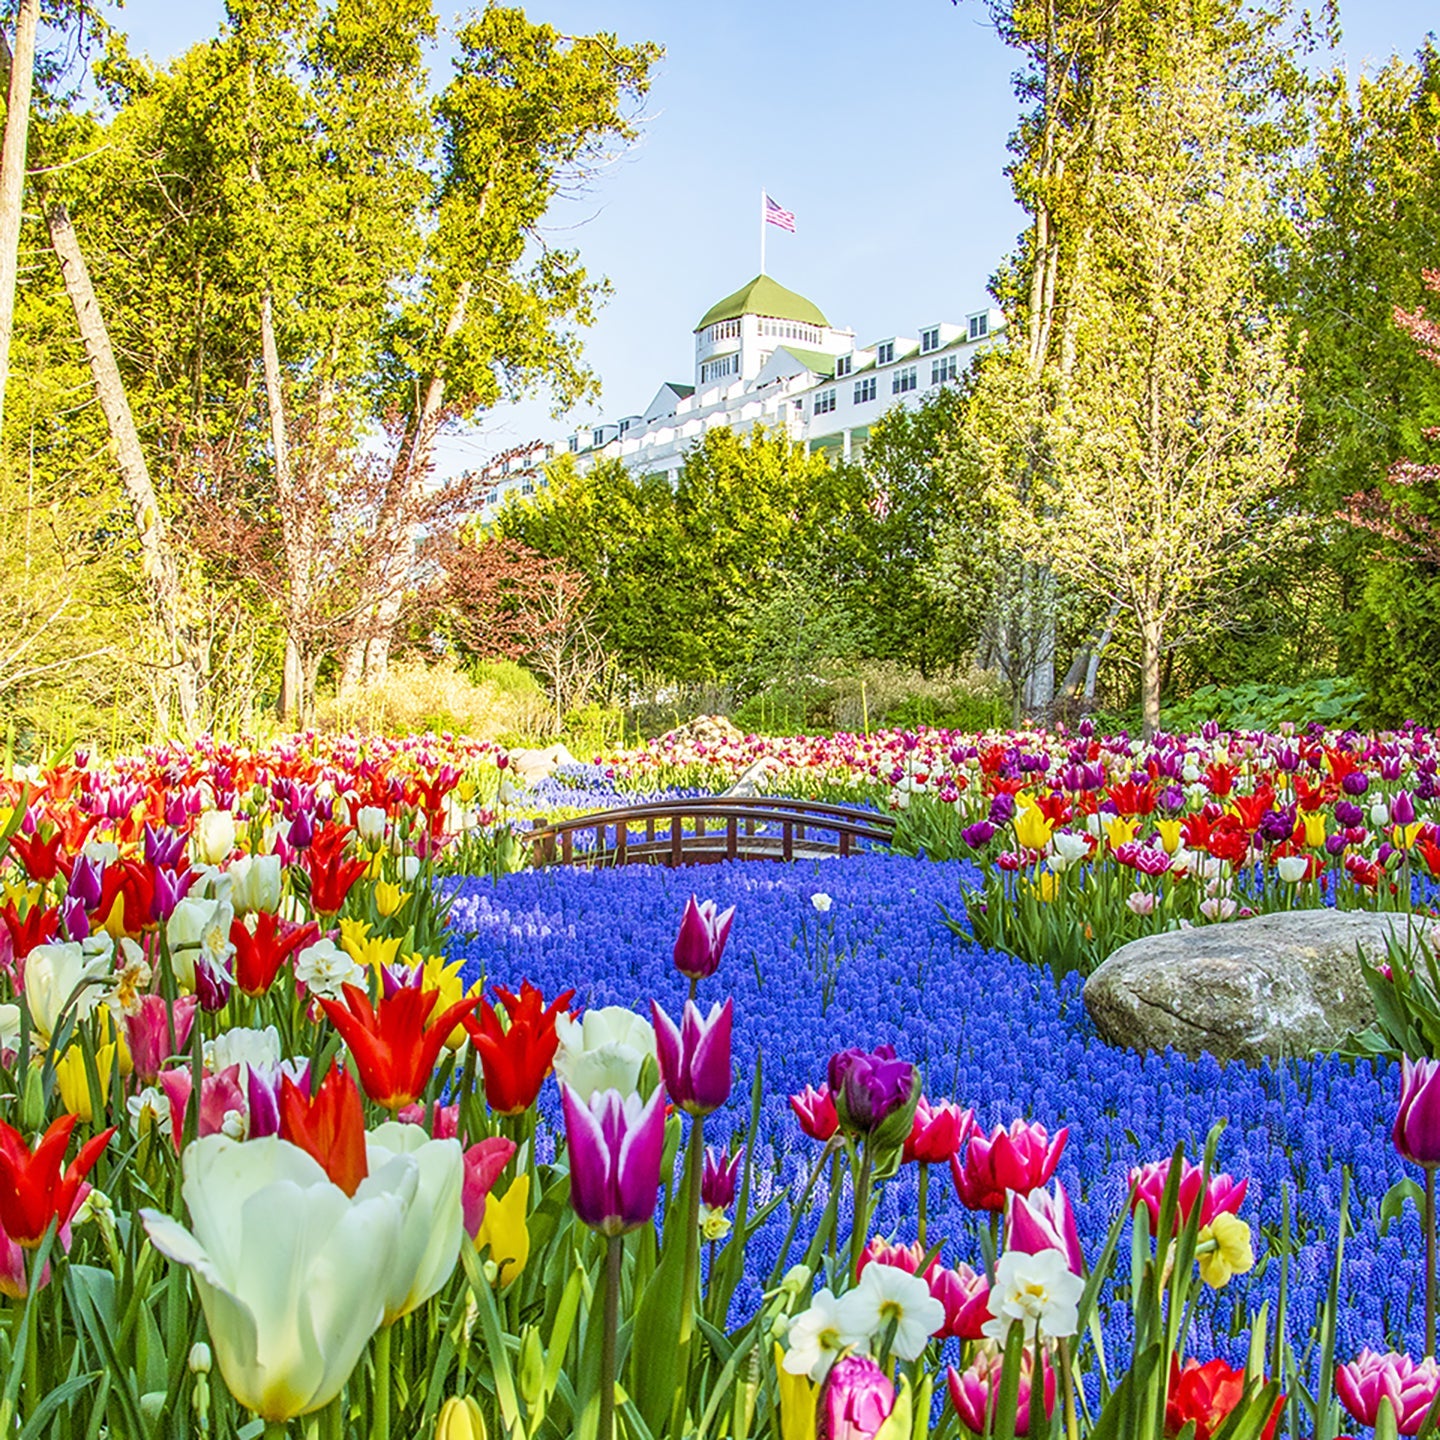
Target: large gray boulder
{"points": [[1266, 988]]}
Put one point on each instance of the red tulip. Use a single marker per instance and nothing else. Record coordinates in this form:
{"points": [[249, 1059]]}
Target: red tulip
{"points": [[331, 877], [1206, 1394], [33, 1190], [37, 928], [516, 1057], [393, 1048], [1021, 1159], [330, 1126], [41, 858], [815, 1111], [258, 957]]}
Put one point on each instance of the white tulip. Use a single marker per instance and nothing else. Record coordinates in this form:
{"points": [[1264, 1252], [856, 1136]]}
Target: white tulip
{"points": [[1379, 815], [821, 901], [292, 1272], [255, 884], [255, 1049], [54, 971], [370, 822], [214, 836], [9, 1028], [1291, 868], [603, 1050], [435, 1223], [1069, 846]]}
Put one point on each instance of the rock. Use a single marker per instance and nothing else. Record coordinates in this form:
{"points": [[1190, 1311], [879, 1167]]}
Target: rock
{"points": [[531, 766], [707, 730], [1271, 987], [748, 786]]}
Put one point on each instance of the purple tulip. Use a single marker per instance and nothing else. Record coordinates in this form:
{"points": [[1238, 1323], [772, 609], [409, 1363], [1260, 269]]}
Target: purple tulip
{"points": [[1357, 782], [978, 835], [704, 929], [695, 1057], [163, 847], [85, 881], [615, 1144], [212, 985], [170, 890], [1002, 809], [75, 919], [871, 1087], [1347, 813], [856, 1402], [1417, 1122], [302, 831], [1402, 808], [717, 1179]]}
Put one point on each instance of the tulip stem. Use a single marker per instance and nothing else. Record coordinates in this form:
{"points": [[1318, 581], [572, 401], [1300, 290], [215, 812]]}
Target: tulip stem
{"points": [[1067, 1384], [694, 1164], [924, 1186], [860, 1223], [276, 1430], [614, 1254], [1429, 1261], [380, 1421]]}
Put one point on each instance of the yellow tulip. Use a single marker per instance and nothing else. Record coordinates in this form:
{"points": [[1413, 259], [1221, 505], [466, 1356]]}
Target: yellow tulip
{"points": [[1032, 829], [799, 1396], [1314, 822], [22, 894], [1045, 889], [1170, 834], [74, 1083], [1403, 836], [373, 869], [390, 898], [374, 952], [1224, 1249], [1120, 830], [504, 1229], [460, 1419]]}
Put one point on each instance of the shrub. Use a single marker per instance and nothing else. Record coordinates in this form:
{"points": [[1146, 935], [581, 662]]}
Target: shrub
{"points": [[1336, 701]]}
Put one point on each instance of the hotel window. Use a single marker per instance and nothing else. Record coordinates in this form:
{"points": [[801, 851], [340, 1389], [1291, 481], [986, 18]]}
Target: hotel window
{"points": [[943, 369], [929, 340], [903, 380], [843, 364], [885, 353], [825, 401], [864, 390], [979, 326], [574, 444]]}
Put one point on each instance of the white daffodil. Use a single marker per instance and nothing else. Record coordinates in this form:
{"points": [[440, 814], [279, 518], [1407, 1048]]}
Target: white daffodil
{"points": [[324, 967], [818, 1337], [1040, 1291], [886, 1296], [197, 930], [603, 1050], [435, 1222], [292, 1272]]}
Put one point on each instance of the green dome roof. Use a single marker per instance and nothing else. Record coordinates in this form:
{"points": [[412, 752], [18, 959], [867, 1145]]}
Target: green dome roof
{"points": [[762, 296]]}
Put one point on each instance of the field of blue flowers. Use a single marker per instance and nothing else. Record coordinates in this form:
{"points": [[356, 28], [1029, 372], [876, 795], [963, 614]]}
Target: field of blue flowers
{"points": [[988, 1031]]}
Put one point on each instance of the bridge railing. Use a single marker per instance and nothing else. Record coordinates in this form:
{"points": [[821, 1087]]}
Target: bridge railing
{"points": [[710, 829]]}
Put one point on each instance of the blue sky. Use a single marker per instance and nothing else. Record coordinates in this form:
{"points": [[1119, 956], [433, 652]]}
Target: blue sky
{"points": [[881, 123]]}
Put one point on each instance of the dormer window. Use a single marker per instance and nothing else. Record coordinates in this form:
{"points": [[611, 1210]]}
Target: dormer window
{"points": [[979, 326], [885, 354], [929, 340], [843, 364]]}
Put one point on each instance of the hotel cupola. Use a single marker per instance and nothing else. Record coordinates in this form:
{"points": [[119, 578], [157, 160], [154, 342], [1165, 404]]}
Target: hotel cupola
{"points": [[738, 334]]}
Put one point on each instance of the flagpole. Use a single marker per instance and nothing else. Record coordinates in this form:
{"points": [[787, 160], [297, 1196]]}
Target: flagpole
{"points": [[762, 231]]}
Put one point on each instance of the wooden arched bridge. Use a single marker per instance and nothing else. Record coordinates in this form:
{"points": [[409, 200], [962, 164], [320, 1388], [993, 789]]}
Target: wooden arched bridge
{"points": [[708, 829]]}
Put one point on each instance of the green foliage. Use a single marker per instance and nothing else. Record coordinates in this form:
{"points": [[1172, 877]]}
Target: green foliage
{"points": [[1335, 702]]}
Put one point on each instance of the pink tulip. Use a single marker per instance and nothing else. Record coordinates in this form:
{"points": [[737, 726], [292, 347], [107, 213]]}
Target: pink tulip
{"points": [[880, 1251], [977, 1390], [856, 1402], [1044, 1220], [695, 1055], [704, 929], [148, 1032], [484, 1162], [937, 1132], [1221, 1193], [220, 1096], [1022, 1159], [1417, 1122], [815, 1111], [965, 1294], [1411, 1389]]}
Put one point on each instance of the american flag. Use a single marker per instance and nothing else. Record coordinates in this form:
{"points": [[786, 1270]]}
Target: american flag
{"points": [[774, 215]]}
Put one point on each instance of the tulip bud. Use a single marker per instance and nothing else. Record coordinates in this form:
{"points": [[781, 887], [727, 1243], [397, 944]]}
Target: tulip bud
{"points": [[460, 1419], [199, 1358], [531, 1372]]}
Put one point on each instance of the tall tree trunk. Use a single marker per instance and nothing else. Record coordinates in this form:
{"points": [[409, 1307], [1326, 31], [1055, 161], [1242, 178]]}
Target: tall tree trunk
{"points": [[368, 654], [12, 175], [292, 678], [157, 556], [1152, 634]]}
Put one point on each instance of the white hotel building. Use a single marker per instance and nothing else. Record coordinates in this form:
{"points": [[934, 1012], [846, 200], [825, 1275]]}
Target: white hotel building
{"points": [[767, 356]]}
